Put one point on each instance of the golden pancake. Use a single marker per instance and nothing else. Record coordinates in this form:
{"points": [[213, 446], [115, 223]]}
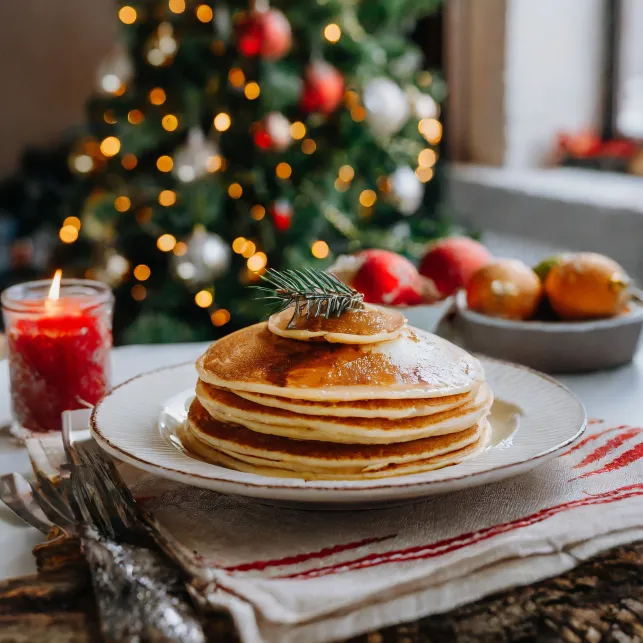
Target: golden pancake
{"points": [[304, 454], [391, 409], [228, 407], [415, 365], [266, 466], [366, 325]]}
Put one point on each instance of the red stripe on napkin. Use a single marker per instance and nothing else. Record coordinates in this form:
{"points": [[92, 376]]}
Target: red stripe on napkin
{"points": [[593, 437], [608, 447], [623, 460], [302, 558], [464, 540]]}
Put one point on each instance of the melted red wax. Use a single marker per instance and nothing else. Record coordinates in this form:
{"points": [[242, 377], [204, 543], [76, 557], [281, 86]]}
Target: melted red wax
{"points": [[55, 362]]}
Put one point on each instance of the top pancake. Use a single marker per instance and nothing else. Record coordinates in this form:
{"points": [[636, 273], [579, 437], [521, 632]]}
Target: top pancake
{"points": [[417, 364], [366, 325]]}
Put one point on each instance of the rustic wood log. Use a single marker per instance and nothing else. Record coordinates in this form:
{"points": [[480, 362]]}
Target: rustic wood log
{"points": [[600, 600]]}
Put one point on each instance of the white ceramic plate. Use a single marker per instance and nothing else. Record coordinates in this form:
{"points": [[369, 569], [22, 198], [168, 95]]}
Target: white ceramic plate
{"points": [[534, 417]]}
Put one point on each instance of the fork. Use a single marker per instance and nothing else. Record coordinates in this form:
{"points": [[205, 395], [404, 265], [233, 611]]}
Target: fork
{"points": [[139, 591]]}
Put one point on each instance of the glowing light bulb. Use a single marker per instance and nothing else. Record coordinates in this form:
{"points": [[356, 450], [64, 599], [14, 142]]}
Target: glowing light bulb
{"points": [[320, 249], [164, 163], [220, 317], [257, 212], [167, 198], [166, 242], [68, 234], [129, 161], [252, 90], [203, 299], [170, 122], [122, 204], [298, 130], [346, 173], [110, 146], [204, 13], [308, 146], [332, 32], [283, 170], [236, 77], [235, 191], [127, 15], [142, 272], [135, 116], [222, 122], [157, 96], [138, 292], [257, 261], [367, 198], [72, 221], [177, 6]]}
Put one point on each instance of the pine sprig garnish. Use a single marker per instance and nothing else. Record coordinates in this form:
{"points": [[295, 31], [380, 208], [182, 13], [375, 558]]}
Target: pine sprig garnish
{"points": [[313, 293]]}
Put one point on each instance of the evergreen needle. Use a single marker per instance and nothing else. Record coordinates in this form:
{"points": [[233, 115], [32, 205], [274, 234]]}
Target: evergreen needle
{"points": [[312, 293]]}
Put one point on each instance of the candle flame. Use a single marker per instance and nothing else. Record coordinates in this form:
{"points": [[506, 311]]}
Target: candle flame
{"points": [[54, 291]]}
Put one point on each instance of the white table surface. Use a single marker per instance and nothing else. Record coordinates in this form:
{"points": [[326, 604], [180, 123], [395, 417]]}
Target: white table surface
{"points": [[615, 396]]}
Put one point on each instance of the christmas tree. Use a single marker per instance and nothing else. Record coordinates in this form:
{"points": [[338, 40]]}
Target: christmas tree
{"points": [[231, 137]]}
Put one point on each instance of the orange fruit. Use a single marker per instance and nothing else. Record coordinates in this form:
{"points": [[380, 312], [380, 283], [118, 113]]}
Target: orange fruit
{"points": [[505, 288], [587, 285]]}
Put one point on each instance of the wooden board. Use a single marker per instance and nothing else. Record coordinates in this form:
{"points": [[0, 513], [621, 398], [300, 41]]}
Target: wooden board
{"points": [[600, 600]]}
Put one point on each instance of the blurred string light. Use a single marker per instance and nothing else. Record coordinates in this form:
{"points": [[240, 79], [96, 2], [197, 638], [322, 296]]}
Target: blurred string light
{"points": [[157, 96], [297, 130], [68, 234], [252, 90], [127, 15], [238, 244], [220, 317], [221, 122], [144, 215], [180, 248], [320, 249], [163, 45], [142, 272], [166, 242], [203, 299], [283, 170], [135, 116], [358, 113], [83, 163], [72, 221], [425, 174], [215, 163], [122, 204], [167, 198], [257, 261], [424, 78], [249, 248], [129, 161], [235, 191], [164, 163], [110, 146], [204, 13], [236, 77], [332, 32], [109, 117], [346, 173], [308, 146], [367, 198], [341, 186], [431, 129], [177, 6], [257, 212], [170, 122], [427, 158], [138, 292]]}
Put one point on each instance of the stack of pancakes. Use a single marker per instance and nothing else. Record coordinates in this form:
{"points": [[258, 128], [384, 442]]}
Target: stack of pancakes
{"points": [[318, 400]]}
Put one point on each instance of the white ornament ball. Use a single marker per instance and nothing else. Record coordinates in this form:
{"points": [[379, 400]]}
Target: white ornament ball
{"points": [[207, 257], [407, 190], [387, 107], [278, 128], [423, 106], [191, 159], [114, 71]]}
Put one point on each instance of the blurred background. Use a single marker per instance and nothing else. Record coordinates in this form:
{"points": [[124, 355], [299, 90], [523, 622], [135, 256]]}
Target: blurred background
{"points": [[176, 149]]}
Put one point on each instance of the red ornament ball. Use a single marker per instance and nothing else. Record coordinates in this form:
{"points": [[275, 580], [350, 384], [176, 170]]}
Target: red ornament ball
{"points": [[323, 88], [264, 33], [387, 278], [273, 133], [281, 212], [451, 263]]}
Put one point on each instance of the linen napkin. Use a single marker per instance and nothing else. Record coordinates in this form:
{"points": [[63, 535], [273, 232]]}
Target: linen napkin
{"points": [[289, 575]]}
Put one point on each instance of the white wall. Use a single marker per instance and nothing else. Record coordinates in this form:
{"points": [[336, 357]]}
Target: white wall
{"points": [[630, 106], [552, 77]]}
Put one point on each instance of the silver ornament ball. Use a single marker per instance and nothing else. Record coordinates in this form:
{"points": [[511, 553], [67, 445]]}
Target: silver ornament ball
{"points": [[387, 107], [407, 190], [207, 257]]}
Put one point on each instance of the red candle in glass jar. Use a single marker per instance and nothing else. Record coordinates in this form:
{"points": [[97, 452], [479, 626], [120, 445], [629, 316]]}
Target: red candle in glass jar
{"points": [[59, 338]]}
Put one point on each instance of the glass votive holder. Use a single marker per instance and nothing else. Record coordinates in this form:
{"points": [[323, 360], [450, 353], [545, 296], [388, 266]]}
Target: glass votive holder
{"points": [[59, 336]]}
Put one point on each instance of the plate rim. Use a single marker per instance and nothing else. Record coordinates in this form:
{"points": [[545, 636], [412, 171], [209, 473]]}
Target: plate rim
{"points": [[151, 467]]}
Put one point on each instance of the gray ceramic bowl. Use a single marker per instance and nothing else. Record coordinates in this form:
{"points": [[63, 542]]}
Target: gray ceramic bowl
{"points": [[553, 347]]}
